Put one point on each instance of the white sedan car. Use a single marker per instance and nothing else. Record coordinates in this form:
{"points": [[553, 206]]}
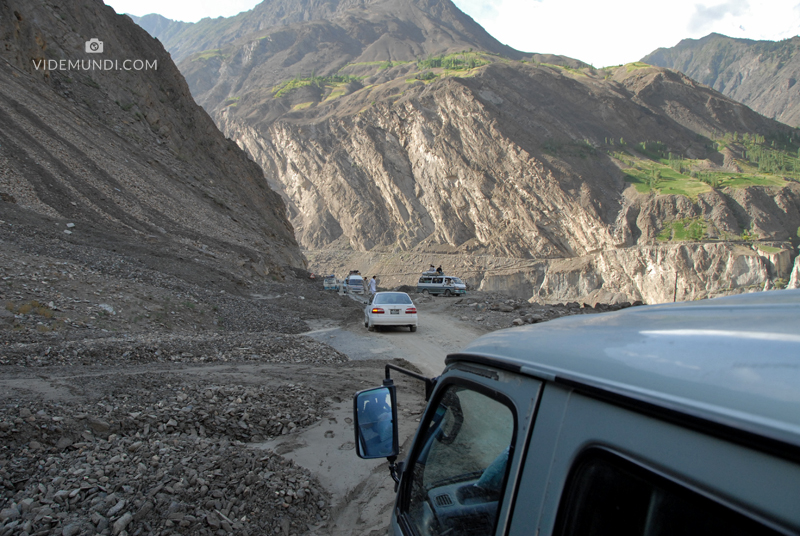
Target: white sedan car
{"points": [[390, 309]]}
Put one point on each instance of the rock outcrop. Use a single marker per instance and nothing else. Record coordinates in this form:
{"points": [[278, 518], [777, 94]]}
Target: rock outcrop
{"points": [[109, 147], [794, 276]]}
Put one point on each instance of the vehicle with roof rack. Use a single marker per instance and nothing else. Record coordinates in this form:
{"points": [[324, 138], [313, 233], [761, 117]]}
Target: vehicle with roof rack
{"points": [[441, 284], [330, 282], [663, 419], [354, 283]]}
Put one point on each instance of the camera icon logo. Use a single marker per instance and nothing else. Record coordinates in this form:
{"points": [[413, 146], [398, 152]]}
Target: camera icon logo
{"points": [[94, 46]]}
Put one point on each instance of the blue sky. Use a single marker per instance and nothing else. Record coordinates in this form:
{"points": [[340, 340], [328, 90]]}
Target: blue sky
{"points": [[600, 33]]}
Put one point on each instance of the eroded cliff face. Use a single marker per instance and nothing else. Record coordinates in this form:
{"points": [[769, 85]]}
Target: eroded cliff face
{"points": [[432, 173], [455, 168]]}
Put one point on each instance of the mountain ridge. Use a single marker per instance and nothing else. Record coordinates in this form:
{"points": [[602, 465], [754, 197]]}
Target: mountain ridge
{"points": [[184, 39], [760, 74]]}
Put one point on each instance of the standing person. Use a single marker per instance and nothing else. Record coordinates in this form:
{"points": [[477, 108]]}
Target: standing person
{"points": [[373, 285]]}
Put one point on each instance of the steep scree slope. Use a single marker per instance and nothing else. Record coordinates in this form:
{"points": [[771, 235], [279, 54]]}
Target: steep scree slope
{"points": [[124, 159]]}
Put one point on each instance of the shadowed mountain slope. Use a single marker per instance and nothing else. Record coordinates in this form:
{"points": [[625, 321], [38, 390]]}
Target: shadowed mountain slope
{"points": [[125, 156], [760, 74]]}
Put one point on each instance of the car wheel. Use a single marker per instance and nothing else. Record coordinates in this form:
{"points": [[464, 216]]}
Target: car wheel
{"points": [[370, 327], [447, 293], [412, 328], [425, 292], [366, 323]]}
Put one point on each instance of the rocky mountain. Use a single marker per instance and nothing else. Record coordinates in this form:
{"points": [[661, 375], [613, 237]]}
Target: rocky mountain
{"points": [[760, 74], [106, 149], [393, 137], [399, 30]]}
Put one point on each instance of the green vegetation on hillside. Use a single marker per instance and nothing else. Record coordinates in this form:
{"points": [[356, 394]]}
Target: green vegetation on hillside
{"points": [[768, 249], [284, 88], [636, 65], [380, 64], [778, 154], [460, 61], [685, 229], [579, 72], [208, 54], [763, 161]]}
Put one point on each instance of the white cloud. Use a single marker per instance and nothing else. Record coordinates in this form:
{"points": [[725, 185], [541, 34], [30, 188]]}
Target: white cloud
{"points": [[705, 17]]}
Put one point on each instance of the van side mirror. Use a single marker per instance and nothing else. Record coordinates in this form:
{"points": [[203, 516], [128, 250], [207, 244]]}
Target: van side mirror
{"points": [[375, 422]]}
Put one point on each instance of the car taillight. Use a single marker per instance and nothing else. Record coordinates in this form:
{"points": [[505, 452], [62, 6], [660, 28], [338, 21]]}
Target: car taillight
{"points": [[411, 311], [377, 311]]}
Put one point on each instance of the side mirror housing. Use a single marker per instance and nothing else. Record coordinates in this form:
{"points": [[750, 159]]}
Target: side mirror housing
{"points": [[375, 422]]}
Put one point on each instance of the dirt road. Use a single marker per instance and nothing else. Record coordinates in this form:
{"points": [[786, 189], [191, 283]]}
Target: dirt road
{"points": [[438, 334], [362, 491]]}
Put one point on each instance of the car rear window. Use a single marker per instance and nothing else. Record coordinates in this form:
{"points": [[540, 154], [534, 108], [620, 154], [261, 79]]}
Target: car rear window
{"points": [[393, 299], [607, 494]]}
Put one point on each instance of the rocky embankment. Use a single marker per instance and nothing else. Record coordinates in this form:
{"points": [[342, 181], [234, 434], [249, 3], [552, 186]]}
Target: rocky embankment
{"points": [[155, 458], [130, 398]]}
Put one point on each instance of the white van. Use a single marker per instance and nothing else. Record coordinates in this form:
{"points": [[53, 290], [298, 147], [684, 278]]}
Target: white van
{"points": [[679, 419], [354, 284], [447, 285]]}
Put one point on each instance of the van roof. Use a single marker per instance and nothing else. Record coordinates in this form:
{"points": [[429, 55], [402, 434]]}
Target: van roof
{"points": [[733, 361]]}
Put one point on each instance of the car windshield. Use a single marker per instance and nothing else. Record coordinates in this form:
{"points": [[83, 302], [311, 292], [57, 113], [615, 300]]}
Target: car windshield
{"points": [[393, 298], [457, 281]]}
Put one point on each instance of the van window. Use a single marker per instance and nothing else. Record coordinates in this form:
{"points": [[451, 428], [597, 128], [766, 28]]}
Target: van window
{"points": [[458, 477], [607, 494], [424, 279], [437, 280]]}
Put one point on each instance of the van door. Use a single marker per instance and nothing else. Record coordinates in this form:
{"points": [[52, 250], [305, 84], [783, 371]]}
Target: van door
{"points": [[462, 470], [595, 467]]}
